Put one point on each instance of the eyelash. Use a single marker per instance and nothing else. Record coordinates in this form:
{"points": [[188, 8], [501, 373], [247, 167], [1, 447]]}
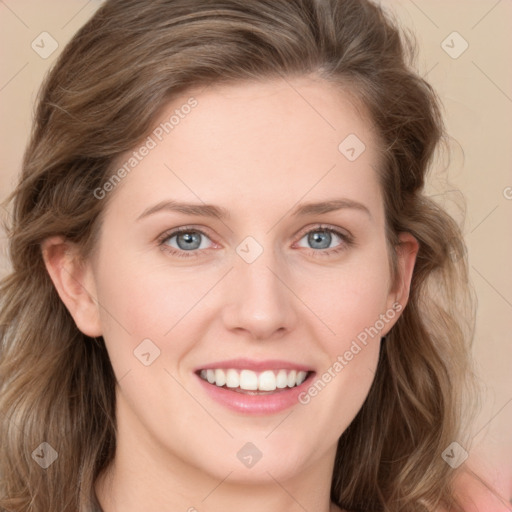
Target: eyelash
{"points": [[347, 241]]}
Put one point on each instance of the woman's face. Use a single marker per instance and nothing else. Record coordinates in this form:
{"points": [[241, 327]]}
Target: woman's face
{"points": [[257, 289]]}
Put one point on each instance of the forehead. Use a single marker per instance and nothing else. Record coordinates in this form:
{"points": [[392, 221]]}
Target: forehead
{"points": [[264, 143]]}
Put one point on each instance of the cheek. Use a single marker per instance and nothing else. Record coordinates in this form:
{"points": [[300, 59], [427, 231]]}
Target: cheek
{"points": [[349, 299], [145, 299], [353, 303], [353, 310], [145, 303]]}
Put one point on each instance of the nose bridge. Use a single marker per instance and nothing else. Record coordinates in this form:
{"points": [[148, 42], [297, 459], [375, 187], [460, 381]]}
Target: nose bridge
{"points": [[257, 275], [260, 301]]}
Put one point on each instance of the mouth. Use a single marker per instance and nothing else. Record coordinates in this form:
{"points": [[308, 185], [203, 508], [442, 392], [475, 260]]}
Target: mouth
{"points": [[255, 387], [250, 382]]}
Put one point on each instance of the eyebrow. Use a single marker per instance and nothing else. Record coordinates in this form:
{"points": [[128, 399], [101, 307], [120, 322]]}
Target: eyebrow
{"points": [[210, 210]]}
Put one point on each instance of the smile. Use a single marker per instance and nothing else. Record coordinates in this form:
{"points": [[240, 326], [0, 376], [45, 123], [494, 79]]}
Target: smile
{"points": [[254, 387], [250, 381]]}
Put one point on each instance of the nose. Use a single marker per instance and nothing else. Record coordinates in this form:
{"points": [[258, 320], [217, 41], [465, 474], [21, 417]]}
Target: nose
{"points": [[260, 301]]}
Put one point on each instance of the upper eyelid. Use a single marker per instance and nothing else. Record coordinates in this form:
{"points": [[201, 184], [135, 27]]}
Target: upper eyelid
{"points": [[326, 227], [182, 229]]}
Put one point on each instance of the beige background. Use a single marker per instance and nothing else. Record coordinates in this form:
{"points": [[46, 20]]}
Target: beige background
{"points": [[476, 90]]}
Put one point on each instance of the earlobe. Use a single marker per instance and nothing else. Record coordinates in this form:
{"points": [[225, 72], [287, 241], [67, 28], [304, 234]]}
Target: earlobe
{"points": [[73, 280]]}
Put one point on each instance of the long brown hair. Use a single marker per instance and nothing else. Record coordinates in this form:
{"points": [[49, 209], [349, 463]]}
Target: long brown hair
{"points": [[100, 99]]}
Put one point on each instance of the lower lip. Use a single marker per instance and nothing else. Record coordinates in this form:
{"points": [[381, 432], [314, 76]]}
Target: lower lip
{"points": [[256, 404]]}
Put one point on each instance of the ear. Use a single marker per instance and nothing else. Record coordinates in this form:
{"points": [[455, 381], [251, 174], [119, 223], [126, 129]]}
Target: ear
{"points": [[406, 252], [73, 280]]}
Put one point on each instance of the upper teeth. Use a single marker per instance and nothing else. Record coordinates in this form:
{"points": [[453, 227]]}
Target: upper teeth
{"points": [[252, 381]]}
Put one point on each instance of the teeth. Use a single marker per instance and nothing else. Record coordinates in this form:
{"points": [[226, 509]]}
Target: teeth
{"points": [[292, 376], [248, 380], [267, 381], [220, 378], [301, 376], [281, 379], [232, 379]]}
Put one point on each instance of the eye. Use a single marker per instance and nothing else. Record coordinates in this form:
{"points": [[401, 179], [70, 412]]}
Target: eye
{"points": [[187, 242], [184, 242], [321, 238]]}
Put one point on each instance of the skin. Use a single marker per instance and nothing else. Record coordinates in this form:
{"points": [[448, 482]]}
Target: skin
{"points": [[256, 150]]}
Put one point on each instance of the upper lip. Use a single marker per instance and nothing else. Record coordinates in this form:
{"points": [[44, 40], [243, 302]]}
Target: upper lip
{"points": [[254, 365]]}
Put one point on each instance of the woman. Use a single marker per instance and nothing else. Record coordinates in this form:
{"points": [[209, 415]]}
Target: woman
{"points": [[229, 289]]}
